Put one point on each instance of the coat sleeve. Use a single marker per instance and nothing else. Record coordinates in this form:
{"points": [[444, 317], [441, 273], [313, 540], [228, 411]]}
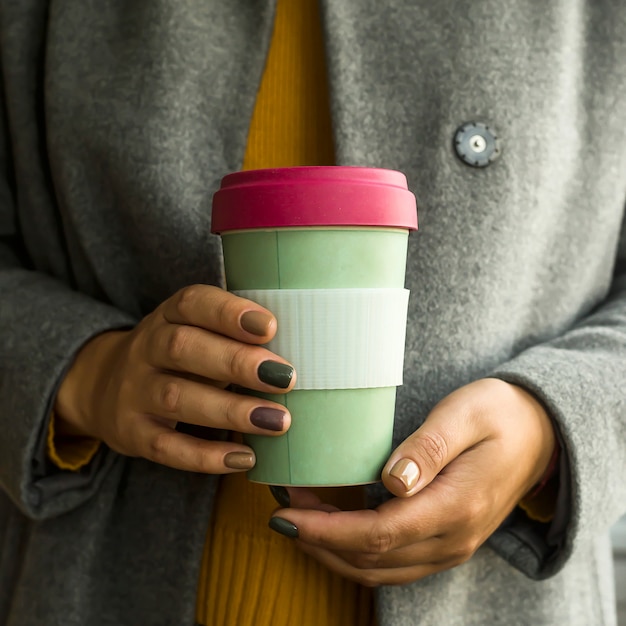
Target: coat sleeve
{"points": [[43, 323], [580, 377]]}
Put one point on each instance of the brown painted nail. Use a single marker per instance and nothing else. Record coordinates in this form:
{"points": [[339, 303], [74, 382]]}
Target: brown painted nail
{"points": [[407, 471], [239, 460], [256, 322], [267, 418]]}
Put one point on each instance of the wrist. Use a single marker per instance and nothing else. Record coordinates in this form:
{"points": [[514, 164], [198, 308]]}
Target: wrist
{"points": [[81, 390], [550, 472], [548, 447], [535, 426]]}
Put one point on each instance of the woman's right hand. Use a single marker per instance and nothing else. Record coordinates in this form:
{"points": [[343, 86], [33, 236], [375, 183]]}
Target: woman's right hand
{"points": [[130, 388]]}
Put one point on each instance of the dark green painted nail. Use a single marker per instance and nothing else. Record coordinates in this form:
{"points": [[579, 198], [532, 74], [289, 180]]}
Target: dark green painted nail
{"points": [[281, 495], [284, 527], [275, 374]]}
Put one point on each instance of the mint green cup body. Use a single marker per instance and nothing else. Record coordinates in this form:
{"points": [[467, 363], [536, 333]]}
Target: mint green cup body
{"points": [[337, 436], [324, 248]]}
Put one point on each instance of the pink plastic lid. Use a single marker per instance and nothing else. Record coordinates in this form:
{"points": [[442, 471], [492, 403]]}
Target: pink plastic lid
{"points": [[313, 196]]}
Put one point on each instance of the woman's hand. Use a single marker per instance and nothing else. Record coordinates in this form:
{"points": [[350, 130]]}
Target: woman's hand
{"points": [[130, 388], [456, 479]]}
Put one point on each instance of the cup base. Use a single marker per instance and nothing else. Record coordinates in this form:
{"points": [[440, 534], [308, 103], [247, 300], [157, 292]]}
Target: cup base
{"points": [[315, 485]]}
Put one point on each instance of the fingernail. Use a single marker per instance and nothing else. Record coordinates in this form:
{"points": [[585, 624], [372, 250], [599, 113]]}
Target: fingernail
{"points": [[284, 527], [267, 418], [275, 374], [256, 322], [281, 495], [239, 460], [407, 471]]}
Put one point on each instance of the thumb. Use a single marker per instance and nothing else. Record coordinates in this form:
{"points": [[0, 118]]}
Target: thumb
{"points": [[447, 432]]}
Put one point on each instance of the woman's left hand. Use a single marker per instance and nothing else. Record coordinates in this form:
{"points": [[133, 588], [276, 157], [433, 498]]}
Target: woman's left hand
{"points": [[480, 450]]}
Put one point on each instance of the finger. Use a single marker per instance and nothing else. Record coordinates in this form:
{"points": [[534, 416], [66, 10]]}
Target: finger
{"points": [[434, 550], [163, 445], [449, 430], [366, 531], [446, 508], [203, 353], [374, 577], [445, 550], [182, 400], [222, 312]]}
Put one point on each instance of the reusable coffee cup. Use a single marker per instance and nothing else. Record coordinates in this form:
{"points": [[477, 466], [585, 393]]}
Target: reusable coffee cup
{"points": [[324, 249]]}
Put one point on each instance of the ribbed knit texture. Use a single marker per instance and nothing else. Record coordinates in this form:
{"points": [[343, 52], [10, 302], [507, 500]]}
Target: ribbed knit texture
{"points": [[250, 575]]}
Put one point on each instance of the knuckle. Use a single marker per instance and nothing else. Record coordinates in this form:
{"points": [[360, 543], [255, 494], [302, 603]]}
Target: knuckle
{"points": [[475, 510], [435, 449], [159, 447], [187, 300], [471, 547], [365, 560], [177, 343], [223, 312], [472, 512], [226, 408], [234, 360], [201, 462], [231, 413], [464, 550], [171, 397], [378, 541]]}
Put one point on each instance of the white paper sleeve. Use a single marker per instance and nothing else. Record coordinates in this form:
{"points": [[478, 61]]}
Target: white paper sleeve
{"points": [[339, 338]]}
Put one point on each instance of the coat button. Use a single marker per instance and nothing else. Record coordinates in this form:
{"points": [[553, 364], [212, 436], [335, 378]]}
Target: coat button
{"points": [[476, 144]]}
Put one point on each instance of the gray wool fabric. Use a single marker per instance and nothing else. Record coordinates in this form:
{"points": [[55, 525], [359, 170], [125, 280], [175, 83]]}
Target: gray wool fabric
{"points": [[118, 121]]}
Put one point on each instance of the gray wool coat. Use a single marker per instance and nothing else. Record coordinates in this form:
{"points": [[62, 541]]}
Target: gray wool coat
{"points": [[118, 120]]}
